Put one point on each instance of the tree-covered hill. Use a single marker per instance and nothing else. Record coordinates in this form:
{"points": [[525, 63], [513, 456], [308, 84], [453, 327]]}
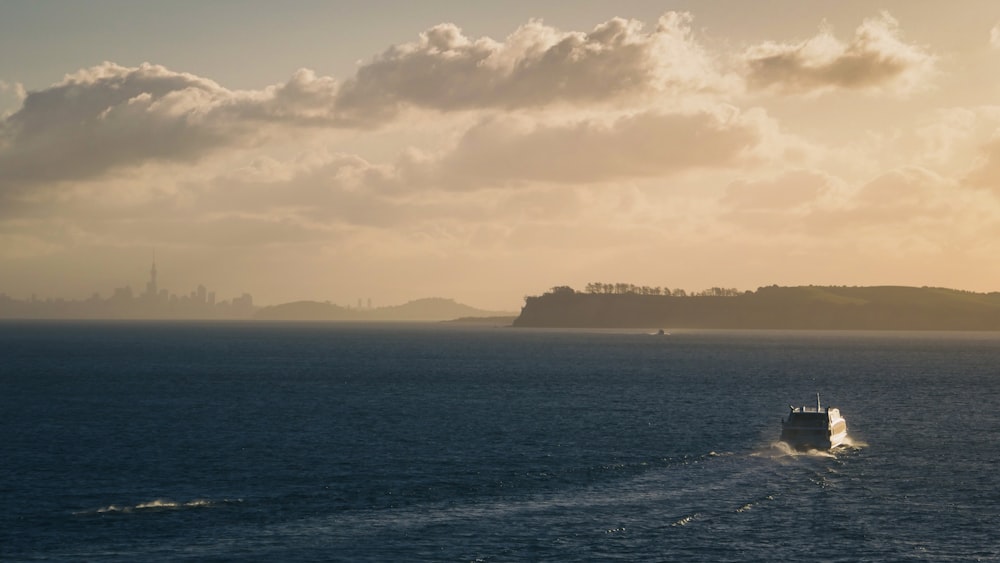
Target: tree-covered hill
{"points": [[773, 307]]}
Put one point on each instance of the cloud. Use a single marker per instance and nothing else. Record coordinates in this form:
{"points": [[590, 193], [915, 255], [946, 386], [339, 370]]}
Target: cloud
{"points": [[15, 90], [986, 171], [505, 151], [903, 211], [305, 99], [314, 191], [912, 188], [109, 116], [330, 189], [104, 116], [995, 36], [876, 59], [535, 66], [785, 206], [792, 189], [910, 203], [912, 210]]}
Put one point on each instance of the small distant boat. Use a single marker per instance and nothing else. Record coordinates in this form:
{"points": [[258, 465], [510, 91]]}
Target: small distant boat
{"points": [[814, 428]]}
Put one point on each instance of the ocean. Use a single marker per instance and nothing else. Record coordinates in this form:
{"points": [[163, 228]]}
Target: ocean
{"points": [[243, 441]]}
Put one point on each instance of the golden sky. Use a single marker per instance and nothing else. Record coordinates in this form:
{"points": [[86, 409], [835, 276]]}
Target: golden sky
{"points": [[399, 150]]}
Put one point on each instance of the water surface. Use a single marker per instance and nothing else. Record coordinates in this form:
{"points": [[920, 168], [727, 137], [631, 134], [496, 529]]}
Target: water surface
{"points": [[126, 441]]}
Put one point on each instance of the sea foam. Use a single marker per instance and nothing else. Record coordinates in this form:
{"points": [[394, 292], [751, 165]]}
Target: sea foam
{"points": [[160, 505]]}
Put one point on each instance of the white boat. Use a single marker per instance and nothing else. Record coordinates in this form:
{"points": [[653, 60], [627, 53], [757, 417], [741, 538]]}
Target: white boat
{"points": [[814, 428]]}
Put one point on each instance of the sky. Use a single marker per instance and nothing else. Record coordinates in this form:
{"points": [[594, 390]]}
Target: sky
{"points": [[391, 150]]}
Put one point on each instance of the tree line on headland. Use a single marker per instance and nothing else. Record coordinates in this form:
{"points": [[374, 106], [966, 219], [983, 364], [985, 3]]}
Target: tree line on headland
{"points": [[802, 307], [630, 289]]}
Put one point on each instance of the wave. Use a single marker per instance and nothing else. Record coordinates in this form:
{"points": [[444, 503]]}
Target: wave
{"points": [[159, 505], [776, 450], [698, 516], [855, 444], [686, 520]]}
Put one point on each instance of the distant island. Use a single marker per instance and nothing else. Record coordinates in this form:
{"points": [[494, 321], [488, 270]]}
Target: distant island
{"points": [[773, 307], [122, 305], [429, 309]]}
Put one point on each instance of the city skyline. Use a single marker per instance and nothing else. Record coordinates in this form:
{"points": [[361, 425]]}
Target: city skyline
{"points": [[122, 302], [331, 151]]}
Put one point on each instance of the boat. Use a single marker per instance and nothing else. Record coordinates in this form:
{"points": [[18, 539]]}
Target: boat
{"points": [[814, 428]]}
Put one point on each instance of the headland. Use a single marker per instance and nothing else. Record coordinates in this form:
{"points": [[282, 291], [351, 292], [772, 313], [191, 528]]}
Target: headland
{"points": [[772, 307]]}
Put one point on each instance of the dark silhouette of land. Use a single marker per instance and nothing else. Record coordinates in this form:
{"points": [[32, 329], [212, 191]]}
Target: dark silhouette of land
{"points": [[773, 307]]}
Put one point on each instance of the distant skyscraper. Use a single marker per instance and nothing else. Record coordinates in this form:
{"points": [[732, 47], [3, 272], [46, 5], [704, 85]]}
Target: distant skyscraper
{"points": [[151, 290]]}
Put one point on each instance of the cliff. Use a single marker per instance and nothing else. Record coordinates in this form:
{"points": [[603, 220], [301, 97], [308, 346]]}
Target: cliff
{"points": [[806, 307]]}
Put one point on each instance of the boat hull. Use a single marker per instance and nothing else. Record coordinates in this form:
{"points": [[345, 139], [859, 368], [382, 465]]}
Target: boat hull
{"points": [[814, 428]]}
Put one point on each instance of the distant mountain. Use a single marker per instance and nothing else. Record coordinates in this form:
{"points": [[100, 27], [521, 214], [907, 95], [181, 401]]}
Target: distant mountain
{"points": [[429, 309], [306, 311], [432, 309], [804, 307]]}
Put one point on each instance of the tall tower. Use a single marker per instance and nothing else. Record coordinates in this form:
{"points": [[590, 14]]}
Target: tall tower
{"points": [[151, 286]]}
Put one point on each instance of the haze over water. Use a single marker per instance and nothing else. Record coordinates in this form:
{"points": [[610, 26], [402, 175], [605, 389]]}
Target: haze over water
{"points": [[128, 441], [481, 152]]}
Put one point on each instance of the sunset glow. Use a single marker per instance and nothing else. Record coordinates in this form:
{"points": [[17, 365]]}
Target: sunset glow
{"points": [[405, 150]]}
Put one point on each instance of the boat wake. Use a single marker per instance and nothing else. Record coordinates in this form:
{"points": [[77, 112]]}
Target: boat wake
{"points": [[854, 444], [158, 505], [780, 449], [691, 498], [776, 450]]}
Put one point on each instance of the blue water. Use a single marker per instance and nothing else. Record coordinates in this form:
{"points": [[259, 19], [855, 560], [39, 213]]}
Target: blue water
{"points": [[131, 441]]}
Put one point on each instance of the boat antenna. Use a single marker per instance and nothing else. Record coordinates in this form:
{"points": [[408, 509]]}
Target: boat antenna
{"points": [[818, 409]]}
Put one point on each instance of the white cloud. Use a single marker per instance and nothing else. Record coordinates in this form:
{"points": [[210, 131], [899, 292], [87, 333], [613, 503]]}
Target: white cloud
{"points": [[10, 90], [305, 99], [535, 66], [995, 36], [109, 116], [876, 59]]}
